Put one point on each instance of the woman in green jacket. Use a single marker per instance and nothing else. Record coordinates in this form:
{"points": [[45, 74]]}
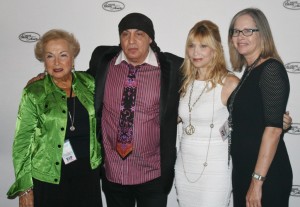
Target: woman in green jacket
{"points": [[56, 154]]}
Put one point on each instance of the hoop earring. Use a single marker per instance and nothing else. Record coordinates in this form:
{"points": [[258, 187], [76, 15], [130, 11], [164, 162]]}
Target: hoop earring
{"points": [[73, 68], [45, 72]]}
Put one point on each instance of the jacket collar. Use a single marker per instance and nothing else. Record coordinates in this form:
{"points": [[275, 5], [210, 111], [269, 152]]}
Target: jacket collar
{"points": [[50, 86]]}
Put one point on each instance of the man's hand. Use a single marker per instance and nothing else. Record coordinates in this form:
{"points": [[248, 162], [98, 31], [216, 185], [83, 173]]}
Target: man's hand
{"points": [[38, 77]]}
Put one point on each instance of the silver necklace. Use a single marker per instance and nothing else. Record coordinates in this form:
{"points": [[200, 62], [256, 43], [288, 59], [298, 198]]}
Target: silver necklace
{"points": [[190, 129], [72, 118], [205, 163]]}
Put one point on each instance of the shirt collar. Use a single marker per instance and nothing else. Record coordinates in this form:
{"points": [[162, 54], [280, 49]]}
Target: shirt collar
{"points": [[150, 59]]}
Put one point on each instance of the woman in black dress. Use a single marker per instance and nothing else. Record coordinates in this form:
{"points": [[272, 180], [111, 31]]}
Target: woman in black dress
{"points": [[262, 174]]}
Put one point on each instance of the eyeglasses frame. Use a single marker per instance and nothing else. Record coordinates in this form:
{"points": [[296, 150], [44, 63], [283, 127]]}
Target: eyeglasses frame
{"points": [[242, 31]]}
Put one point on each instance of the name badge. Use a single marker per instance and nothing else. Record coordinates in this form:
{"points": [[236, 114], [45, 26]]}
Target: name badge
{"points": [[68, 153], [224, 130]]}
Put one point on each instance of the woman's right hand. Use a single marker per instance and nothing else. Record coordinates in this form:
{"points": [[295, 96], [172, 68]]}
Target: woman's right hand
{"points": [[26, 200]]}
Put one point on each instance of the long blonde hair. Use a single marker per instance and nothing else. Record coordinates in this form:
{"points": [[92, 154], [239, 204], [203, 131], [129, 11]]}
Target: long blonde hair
{"points": [[207, 33]]}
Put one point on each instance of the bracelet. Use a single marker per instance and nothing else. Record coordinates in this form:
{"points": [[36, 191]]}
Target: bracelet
{"points": [[25, 192], [258, 177]]}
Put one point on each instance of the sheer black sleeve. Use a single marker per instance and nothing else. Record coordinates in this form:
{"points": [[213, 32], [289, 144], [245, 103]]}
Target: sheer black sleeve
{"points": [[275, 88]]}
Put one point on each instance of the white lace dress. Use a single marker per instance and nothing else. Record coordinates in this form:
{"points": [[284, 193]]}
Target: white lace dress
{"points": [[212, 188]]}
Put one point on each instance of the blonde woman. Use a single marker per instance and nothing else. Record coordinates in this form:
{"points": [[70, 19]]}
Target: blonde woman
{"points": [[203, 167]]}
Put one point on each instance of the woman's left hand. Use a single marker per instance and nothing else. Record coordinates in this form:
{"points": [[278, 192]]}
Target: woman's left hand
{"points": [[254, 194]]}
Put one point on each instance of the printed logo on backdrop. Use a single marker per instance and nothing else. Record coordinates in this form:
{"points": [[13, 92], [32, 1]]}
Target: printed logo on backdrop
{"points": [[113, 6], [295, 191], [293, 5], [293, 67], [295, 129], [29, 37]]}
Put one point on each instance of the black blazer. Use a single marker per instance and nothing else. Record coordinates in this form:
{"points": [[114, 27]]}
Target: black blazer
{"points": [[169, 101]]}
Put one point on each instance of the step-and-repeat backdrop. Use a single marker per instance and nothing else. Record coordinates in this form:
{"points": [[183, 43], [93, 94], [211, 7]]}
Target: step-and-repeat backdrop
{"points": [[95, 22]]}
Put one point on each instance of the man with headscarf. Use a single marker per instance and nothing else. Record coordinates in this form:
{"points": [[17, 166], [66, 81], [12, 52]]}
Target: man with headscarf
{"points": [[136, 104]]}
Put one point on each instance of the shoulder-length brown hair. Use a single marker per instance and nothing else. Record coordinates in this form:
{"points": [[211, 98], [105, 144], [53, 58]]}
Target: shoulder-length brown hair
{"points": [[267, 44]]}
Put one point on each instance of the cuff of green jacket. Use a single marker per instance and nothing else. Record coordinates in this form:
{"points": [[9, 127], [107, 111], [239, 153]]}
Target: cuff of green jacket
{"points": [[21, 184]]}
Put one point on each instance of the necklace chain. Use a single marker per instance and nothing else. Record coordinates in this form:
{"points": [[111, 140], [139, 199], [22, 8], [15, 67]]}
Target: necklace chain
{"points": [[190, 97], [72, 118], [231, 101], [190, 129], [205, 163]]}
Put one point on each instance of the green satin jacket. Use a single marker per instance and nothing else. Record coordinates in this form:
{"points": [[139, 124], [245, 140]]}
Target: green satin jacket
{"points": [[41, 128]]}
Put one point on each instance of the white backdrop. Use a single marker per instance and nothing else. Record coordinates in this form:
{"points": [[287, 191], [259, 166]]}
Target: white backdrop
{"points": [[94, 23]]}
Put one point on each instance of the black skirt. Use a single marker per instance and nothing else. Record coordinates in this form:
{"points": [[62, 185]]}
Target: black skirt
{"points": [[79, 187]]}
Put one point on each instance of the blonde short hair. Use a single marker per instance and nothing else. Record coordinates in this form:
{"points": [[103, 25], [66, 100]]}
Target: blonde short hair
{"points": [[56, 34]]}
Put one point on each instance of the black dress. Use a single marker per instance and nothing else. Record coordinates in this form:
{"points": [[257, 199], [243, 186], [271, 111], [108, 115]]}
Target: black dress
{"points": [[79, 184], [260, 102]]}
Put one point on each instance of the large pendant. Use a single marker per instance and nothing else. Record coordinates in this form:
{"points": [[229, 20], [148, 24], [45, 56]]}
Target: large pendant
{"points": [[72, 128], [190, 129]]}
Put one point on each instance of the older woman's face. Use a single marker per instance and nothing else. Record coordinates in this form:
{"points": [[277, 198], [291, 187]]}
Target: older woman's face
{"points": [[58, 59]]}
